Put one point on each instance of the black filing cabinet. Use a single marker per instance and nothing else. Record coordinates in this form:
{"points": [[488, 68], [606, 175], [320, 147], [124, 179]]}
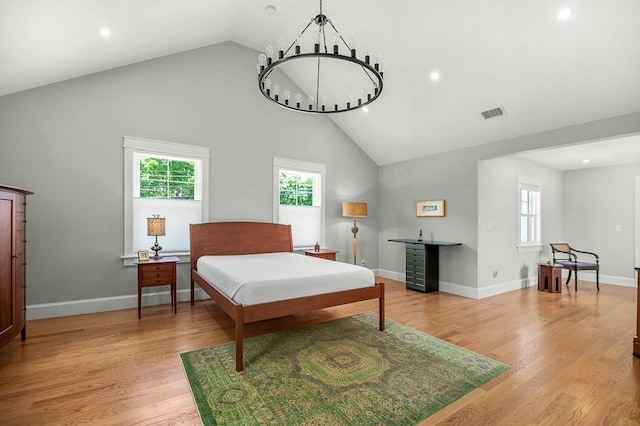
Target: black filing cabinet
{"points": [[421, 268], [422, 263]]}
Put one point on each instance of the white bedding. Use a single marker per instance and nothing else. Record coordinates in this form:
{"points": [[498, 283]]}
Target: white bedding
{"points": [[250, 279]]}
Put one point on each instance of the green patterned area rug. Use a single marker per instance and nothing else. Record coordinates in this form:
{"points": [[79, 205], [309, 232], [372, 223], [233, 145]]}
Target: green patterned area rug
{"points": [[340, 372]]}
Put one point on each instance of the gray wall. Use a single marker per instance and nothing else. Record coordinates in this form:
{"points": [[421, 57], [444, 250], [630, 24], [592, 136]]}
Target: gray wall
{"points": [[599, 212], [454, 177], [498, 226], [64, 142], [449, 176]]}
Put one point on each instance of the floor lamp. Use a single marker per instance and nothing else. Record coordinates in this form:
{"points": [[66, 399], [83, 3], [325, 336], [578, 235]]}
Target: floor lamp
{"points": [[354, 210]]}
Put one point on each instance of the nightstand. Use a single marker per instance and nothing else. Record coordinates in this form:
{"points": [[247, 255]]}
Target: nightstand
{"points": [[153, 273], [322, 254]]}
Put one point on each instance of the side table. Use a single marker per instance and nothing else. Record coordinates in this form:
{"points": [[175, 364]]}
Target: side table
{"points": [[549, 278], [323, 253], [153, 273]]}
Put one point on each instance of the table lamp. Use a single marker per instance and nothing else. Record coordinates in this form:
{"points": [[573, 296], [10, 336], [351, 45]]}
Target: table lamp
{"points": [[155, 228]]}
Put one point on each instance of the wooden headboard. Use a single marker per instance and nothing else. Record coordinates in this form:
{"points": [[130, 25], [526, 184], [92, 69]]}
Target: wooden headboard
{"points": [[231, 238]]}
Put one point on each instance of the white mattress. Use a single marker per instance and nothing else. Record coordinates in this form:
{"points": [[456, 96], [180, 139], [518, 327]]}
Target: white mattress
{"points": [[250, 279]]}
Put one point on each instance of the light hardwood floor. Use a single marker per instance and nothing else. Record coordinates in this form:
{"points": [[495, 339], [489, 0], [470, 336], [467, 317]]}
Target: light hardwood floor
{"points": [[570, 358]]}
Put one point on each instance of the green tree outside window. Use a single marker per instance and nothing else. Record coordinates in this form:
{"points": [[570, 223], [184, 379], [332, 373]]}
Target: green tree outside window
{"points": [[295, 189], [165, 178]]}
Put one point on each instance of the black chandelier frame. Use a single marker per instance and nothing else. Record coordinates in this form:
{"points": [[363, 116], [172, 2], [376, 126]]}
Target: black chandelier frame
{"points": [[266, 65]]}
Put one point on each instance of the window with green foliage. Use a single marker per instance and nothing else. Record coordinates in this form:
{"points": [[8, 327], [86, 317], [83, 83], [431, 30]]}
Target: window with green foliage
{"points": [[298, 199], [296, 188], [167, 178]]}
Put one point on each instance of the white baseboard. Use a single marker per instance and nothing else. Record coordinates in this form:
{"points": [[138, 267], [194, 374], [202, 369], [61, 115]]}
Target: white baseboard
{"points": [[103, 304], [494, 290]]}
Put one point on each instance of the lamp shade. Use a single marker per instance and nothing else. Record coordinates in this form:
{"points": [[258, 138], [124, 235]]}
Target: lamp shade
{"points": [[155, 226], [354, 209]]}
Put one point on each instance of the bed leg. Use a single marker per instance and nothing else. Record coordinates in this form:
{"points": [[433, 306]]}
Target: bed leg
{"points": [[381, 307], [239, 339], [192, 290]]}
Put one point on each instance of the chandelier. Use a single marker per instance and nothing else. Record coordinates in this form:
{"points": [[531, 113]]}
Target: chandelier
{"points": [[342, 80]]}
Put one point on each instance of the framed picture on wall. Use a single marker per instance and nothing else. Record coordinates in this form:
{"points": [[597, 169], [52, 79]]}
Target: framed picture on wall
{"points": [[430, 208]]}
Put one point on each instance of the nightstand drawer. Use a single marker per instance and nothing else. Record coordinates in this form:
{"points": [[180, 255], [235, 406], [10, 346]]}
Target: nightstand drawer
{"points": [[157, 273], [156, 278]]}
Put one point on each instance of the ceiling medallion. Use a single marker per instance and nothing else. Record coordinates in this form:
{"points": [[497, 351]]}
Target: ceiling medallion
{"points": [[331, 72]]}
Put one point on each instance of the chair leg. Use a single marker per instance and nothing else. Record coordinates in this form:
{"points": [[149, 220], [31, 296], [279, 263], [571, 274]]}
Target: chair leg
{"points": [[598, 279], [568, 278], [576, 279]]}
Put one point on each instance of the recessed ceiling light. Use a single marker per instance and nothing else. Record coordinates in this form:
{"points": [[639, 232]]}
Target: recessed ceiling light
{"points": [[564, 14], [435, 75], [271, 10], [365, 109], [586, 161], [105, 32]]}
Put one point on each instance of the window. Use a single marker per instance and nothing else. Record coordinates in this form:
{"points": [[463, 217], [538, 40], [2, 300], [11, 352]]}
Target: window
{"points": [[166, 179], [298, 188], [529, 217]]}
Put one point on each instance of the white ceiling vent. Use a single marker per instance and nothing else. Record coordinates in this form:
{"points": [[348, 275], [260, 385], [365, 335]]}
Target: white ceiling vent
{"points": [[493, 113]]}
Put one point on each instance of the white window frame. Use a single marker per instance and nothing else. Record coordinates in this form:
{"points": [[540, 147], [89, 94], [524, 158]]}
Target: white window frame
{"points": [[304, 167], [134, 145], [530, 185]]}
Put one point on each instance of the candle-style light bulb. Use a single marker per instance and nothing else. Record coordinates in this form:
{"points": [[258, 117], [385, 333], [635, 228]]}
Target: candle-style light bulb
{"points": [[276, 92], [336, 38], [365, 49], [310, 100], [287, 94], [267, 86], [269, 51], [352, 42], [316, 42], [298, 100], [337, 103], [324, 102], [262, 61], [297, 45], [281, 46]]}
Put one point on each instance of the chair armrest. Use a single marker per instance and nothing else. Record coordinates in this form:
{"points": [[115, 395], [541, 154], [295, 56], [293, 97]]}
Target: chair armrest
{"points": [[587, 252]]}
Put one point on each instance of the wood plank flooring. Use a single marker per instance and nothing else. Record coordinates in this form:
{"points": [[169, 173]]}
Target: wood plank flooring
{"points": [[570, 356]]}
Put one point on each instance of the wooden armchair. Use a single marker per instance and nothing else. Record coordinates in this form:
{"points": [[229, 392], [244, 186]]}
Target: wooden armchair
{"points": [[567, 257]]}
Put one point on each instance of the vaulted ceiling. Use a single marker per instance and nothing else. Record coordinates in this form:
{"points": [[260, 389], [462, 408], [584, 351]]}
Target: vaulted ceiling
{"points": [[545, 72]]}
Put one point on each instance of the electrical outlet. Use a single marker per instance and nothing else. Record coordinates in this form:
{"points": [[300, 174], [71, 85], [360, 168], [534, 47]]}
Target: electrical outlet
{"points": [[495, 274]]}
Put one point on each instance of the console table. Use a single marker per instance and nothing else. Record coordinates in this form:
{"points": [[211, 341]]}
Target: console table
{"points": [[422, 263]]}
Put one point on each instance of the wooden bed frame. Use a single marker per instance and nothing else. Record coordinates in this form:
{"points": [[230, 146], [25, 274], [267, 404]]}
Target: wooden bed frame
{"points": [[233, 238]]}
